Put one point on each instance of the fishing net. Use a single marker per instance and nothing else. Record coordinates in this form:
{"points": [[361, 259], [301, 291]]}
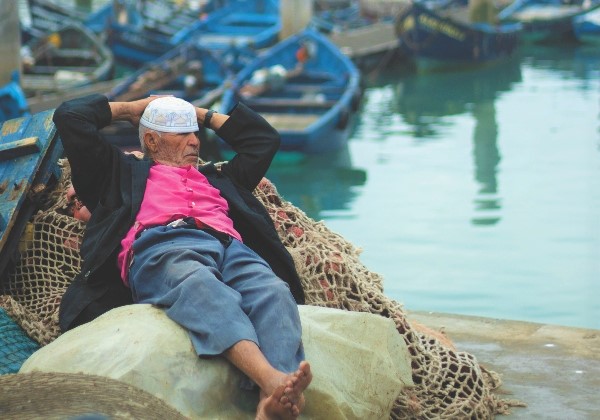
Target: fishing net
{"points": [[15, 345], [448, 383]]}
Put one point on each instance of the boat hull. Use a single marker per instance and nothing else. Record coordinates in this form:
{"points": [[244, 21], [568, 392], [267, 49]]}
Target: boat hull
{"points": [[586, 28], [29, 153], [424, 34], [312, 111], [546, 22]]}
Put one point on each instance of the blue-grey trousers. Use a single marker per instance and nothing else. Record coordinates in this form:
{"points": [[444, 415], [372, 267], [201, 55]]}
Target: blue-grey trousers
{"points": [[220, 293]]}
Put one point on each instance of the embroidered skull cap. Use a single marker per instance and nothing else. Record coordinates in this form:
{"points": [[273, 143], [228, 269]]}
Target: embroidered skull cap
{"points": [[170, 115]]}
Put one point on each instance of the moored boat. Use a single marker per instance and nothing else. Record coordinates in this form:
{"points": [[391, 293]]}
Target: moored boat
{"points": [[586, 27], [137, 35], [190, 71], [70, 57], [312, 104], [446, 36], [240, 23], [29, 153], [39, 17], [140, 35], [546, 22]]}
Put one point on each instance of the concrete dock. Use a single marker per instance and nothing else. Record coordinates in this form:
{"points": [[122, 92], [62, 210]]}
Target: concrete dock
{"points": [[555, 370]]}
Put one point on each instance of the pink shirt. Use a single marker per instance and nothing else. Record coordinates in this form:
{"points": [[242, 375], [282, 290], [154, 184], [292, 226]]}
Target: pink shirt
{"points": [[173, 193]]}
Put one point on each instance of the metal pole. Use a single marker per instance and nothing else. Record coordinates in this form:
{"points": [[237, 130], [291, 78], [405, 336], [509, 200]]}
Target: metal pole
{"points": [[295, 16], [11, 40]]}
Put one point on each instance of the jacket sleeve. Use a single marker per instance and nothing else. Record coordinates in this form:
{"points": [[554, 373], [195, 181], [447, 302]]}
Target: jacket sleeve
{"points": [[78, 122], [255, 142]]}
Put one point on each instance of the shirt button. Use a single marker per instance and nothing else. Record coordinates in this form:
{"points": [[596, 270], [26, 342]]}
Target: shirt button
{"points": [[193, 204]]}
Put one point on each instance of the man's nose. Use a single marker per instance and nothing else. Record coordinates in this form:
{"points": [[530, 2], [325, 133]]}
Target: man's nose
{"points": [[193, 140]]}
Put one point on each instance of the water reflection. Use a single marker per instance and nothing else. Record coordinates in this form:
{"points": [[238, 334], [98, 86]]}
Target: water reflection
{"points": [[319, 184], [486, 158], [425, 100], [579, 61], [526, 132]]}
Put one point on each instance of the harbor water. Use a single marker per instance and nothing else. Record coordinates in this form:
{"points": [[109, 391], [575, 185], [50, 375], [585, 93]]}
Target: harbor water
{"points": [[473, 191]]}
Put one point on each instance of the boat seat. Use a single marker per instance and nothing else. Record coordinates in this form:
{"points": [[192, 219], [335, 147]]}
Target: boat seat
{"points": [[290, 122], [289, 102], [42, 70], [74, 53], [298, 87]]}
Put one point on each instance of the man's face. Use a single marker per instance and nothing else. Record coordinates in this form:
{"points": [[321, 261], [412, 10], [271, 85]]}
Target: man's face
{"points": [[175, 149]]}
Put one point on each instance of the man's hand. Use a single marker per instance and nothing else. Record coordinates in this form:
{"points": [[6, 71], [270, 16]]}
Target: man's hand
{"points": [[131, 111]]}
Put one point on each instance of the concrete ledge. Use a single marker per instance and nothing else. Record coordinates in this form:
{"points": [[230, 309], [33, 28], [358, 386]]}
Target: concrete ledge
{"points": [[554, 369]]}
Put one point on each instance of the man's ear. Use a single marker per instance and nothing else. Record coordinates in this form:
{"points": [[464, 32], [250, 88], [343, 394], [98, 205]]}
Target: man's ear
{"points": [[150, 140]]}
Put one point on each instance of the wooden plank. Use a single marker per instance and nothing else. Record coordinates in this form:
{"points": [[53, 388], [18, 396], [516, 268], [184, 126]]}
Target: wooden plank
{"points": [[289, 102], [41, 102], [20, 173], [312, 88], [18, 148], [370, 39], [290, 122]]}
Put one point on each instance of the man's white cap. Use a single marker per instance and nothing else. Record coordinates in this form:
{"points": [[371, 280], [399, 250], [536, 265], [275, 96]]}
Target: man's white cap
{"points": [[170, 115]]}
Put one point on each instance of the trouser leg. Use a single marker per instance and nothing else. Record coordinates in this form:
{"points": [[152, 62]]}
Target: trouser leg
{"points": [[178, 270], [269, 304]]}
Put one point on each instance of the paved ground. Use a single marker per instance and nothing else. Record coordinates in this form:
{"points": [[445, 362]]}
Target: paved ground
{"points": [[555, 370]]}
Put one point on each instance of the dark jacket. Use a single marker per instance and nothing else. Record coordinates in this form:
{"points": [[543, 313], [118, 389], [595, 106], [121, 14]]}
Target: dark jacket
{"points": [[111, 184]]}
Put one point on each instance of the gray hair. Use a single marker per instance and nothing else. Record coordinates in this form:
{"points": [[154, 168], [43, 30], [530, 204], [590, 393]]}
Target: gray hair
{"points": [[141, 133]]}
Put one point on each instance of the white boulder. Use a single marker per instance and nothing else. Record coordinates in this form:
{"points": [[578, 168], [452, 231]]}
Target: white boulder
{"points": [[359, 362]]}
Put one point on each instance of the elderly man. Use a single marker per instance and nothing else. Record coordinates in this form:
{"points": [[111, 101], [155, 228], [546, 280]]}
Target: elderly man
{"points": [[192, 240]]}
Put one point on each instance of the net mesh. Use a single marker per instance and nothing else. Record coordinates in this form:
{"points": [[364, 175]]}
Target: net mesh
{"points": [[449, 384]]}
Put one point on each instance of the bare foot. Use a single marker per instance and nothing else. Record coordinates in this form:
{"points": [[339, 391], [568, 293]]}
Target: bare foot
{"points": [[294, 390], [286, 402], [275, 406]]}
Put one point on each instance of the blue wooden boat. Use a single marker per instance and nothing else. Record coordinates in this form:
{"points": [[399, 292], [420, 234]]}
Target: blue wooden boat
{"points": [[13, 103], [70, 57], [586, 27], [40, 17], [241, 22], [29, 152], [312, 106], [190, 71], [139, 36], [446, 36], [546, 21]]}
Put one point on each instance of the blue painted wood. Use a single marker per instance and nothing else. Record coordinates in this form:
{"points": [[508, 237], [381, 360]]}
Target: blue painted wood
{"points": [[587, 27], [69, 57], [13, 103], [311, 110], [427, 34], [21, 172], [546, 21], [140, 36], [172, 73]]}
